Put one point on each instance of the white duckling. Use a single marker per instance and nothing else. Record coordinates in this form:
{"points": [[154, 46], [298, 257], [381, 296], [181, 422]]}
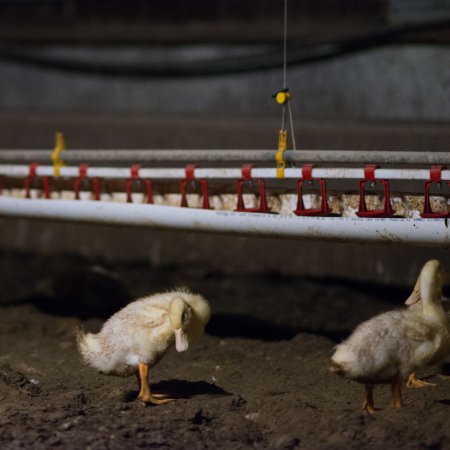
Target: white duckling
{"points": [[414, 302], [137, 336], [393, 344]]}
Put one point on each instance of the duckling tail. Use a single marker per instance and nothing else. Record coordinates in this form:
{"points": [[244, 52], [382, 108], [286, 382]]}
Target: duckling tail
{"points": [[89, 346], [336, 368], [340, 359]]}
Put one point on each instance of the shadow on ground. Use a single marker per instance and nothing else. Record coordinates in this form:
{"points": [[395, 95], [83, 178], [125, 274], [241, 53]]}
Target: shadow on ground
{"points": [[180, 389], [250, 327]]}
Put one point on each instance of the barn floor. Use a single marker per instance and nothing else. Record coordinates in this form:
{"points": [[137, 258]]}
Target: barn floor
{"points": [[258, 379]]}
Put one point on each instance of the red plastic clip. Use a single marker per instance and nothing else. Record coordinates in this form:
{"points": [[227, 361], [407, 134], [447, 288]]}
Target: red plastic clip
{"points": [[246, 178], [83, 177], [369, 175], [191, 180], [45, 181], [135, 179], [324, 210], [435, 177]]}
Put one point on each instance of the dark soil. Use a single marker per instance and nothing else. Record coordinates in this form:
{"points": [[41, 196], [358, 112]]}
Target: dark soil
{"points": [[258, 379]]}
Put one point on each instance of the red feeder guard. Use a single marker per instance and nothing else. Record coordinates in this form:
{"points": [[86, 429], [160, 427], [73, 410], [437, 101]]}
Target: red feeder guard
{"points": [[136, 179], [323, 210], [190, 179], [369, 175], [246, 178], [435, 177], [45, 181], [95, 182]]}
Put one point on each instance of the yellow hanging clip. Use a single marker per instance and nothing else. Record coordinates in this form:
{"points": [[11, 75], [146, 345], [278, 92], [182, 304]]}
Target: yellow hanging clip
{"points": [[279, 155], [60, 145], [283, 96]]}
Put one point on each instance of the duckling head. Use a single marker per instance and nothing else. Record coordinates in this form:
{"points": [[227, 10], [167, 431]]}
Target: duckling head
{"points": [[189, 313], [429, 284], [180, 314]]}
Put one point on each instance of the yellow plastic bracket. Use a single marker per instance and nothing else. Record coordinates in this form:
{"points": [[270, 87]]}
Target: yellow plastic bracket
{"points": [[60, 145], [282, 97], [279, 156]]}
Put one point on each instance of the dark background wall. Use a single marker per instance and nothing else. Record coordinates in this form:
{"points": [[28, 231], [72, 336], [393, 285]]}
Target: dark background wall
{"points": [[364, 75]]}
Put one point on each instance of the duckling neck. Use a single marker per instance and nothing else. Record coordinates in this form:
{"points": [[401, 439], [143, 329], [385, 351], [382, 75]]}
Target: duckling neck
{"points": [[434, 311], [431, 294]]}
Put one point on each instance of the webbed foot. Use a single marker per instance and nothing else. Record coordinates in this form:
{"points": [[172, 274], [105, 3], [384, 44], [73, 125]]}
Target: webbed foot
{"points": [[370, 407], [156, 399], [414, 382], [145, 393]]}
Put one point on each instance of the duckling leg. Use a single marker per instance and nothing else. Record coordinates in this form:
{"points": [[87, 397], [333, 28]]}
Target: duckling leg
{"points": [[396, 387], [145, 393], [414, 382], [138, 377], [368, 405]]}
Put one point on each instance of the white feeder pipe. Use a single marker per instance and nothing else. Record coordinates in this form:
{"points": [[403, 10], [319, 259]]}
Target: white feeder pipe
{"points": [[225, 173], [419, 232]]}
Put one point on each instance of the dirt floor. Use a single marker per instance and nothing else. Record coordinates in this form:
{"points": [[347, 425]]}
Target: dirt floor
{"points": [[258, 379]]}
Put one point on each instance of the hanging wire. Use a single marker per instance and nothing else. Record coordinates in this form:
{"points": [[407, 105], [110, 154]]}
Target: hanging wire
{"points": [[294, 147], [287, 104], [283, 114], [285, 45], [283, 118]]}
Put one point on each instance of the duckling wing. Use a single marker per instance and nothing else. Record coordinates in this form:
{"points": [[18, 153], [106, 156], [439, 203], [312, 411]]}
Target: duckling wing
{"points": [[154, 316], [416, 330], [427, 342]]}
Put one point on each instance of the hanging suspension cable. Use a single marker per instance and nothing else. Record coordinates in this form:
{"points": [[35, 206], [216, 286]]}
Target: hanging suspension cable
{"points": [[294, 147], [285, 45], [291, 122], [283, 98]]}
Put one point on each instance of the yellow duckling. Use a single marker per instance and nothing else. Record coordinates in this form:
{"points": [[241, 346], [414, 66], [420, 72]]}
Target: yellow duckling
{"points": [[393, 344], [137, 336], [414, 302]]}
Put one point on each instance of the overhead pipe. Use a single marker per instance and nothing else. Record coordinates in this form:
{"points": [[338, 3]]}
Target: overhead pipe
{"points": [[243, 156], [270, 59], [417, 232]]}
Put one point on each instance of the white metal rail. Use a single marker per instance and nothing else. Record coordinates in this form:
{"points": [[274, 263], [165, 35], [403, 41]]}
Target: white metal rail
{"points": [[224, 173], [432, 231]]}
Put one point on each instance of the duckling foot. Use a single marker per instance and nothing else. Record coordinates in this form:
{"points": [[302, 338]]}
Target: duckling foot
{"points": [[145, 394], [156, 399], [370, 408], [368, 405], [414, 382]]}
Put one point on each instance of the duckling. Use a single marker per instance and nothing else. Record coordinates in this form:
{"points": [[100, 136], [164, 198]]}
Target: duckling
{"points": [[136, 337], [393, 344], [414, 302]]}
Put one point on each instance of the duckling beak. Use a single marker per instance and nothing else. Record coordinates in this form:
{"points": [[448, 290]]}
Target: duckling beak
{"points": [[415, 294], [181, 340], [413, 298]]}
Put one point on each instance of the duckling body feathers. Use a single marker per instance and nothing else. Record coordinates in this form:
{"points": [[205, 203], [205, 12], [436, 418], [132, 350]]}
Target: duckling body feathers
{"points": [[390, 344], [396, 343], [142, 332]]}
